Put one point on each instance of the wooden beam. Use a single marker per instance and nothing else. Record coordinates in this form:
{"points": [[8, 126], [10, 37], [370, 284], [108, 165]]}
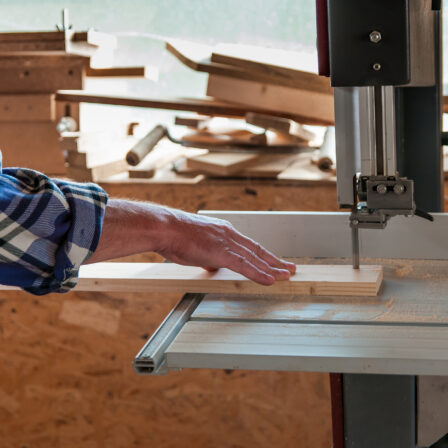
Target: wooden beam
{"points": [[273, 62], [198, 57], [318, 280], [206, 106], [313, 107], [124, 72]]}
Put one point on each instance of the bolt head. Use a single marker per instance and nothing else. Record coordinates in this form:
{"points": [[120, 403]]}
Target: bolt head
{"points": [[381, 189], [399, 189], [375, 37]]}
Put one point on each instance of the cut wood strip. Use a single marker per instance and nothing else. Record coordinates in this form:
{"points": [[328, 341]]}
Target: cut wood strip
{"points": [[222, 164], [198, 57], [198, 122], [27, 108], [313, 107], [125, 72], [274, 62], [229, 137], [206, 106], [282, 125], [320, 280]]}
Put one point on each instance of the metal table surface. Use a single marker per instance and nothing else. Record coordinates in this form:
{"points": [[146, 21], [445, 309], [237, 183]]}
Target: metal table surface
{"points": [[404, 330]]}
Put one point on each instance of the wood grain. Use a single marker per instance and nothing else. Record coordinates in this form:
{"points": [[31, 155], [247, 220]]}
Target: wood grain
{"points": [[317, 280], [312, 107]]}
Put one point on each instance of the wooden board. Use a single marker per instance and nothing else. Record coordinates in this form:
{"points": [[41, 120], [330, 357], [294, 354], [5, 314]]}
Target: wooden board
{"points": [[266, 166], [98, 172], [198, 57], [199, 122], [223, 164], [38, 107], [305, 170], [120, 72], [312, 107], [319, 280], [206, 106], [281, 125], [35, 74], [229, 137], [296, 66], [32, 145], [81, 43]]}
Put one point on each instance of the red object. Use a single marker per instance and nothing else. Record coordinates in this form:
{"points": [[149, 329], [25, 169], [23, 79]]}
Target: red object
{"points": [[323, 48], [337, 410]]}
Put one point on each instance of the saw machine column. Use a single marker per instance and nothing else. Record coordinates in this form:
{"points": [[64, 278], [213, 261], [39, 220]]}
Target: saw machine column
{"points": [[383, 59]]}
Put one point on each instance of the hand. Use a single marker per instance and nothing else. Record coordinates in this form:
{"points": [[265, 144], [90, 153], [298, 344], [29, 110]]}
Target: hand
{"points": [[212, 243]]}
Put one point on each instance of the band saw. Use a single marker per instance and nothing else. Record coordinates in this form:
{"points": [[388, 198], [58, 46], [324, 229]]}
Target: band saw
{"points": [[384, 61]]}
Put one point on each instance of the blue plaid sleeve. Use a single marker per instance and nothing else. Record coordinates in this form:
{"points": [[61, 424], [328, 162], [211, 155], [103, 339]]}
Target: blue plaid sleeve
{"points": [[48, 228]]}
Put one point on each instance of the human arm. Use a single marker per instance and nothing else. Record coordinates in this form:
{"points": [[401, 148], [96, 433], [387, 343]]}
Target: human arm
{"points": [[132, 227]]}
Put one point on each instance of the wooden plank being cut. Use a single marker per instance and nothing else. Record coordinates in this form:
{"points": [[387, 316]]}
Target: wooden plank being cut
{"points": [[319, 280], [312, 107], [221, 164], [39, 107]]}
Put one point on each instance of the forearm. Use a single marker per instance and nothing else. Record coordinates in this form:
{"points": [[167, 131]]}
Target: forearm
{"points": [[185, 238], [129, 228]]}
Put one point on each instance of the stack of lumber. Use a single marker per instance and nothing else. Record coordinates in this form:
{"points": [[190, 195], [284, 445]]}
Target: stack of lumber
{"points": [[33, 66]]}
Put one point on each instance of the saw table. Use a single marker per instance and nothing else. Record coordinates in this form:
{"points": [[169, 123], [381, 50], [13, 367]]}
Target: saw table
{"points": [[400, 333]]}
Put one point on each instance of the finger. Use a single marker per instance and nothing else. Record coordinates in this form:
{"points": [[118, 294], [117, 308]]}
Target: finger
{"points": [[209, 269], [263, 253], [239, 264], [277, 273]]}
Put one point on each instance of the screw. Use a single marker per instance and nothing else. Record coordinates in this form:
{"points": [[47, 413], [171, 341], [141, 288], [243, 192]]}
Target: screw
{"points": [[355, 222], [377, 66], [375, 37], [399, 189], [381, 189]]}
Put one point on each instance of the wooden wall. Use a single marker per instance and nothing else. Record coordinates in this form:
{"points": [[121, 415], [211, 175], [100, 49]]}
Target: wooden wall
{"points": [[65, 361]]}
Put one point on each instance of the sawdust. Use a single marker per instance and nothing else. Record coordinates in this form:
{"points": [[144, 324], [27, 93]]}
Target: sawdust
{"points": [[404, 271]]}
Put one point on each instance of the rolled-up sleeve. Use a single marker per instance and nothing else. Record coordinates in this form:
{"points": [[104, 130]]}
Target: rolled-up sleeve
{"points": [[48, 228]]}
